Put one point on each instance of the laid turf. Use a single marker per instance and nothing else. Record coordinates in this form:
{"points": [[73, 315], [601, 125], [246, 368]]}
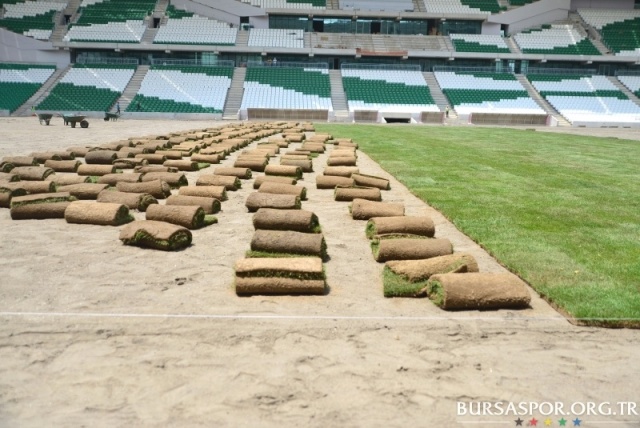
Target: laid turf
{"points": [[561, 211]]}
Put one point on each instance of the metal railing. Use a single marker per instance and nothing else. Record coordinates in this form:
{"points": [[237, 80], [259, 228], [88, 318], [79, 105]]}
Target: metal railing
{"points": [[110, 61], [287, 64], [463, 69], [380, 66], [567, 71], [192, 62]]}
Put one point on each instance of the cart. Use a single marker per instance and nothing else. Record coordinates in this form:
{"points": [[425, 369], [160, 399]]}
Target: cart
{"points": [[72, 119], [111, 116], [44, 118]]}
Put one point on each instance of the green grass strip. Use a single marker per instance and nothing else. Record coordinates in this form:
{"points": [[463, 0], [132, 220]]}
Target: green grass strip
{"points": [[559, 210], [397, 286]]}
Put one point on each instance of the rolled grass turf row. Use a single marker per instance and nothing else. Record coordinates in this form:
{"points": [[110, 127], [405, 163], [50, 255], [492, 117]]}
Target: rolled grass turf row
{"points": [[348, 194], [371, 181], [209, 205], [156, 188], [415, 225], [189, 216], [290, 242], [304, 275], [362, 209], [284, 189], [39, 211], [258, 200], [230, 182], [296, 220], [385, 249], [103, 214], [133, 201]]}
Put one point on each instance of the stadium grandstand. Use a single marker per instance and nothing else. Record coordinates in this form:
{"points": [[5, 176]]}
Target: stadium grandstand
{"points": [[555, 62]]}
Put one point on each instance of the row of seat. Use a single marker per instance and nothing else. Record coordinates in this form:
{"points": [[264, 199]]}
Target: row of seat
{"points": [[18, 83], [555, 40], [479, 43], [276, 38], [620, 29], [288, 4], [459, 7], [118, 32], [196, 30], [32, 8]]}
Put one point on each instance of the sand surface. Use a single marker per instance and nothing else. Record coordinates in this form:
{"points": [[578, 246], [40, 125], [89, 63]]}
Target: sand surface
{"points": [[94, 333]]}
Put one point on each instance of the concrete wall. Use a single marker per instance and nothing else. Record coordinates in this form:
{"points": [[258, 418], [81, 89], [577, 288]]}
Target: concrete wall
{"points": [[490, 28], [223, 10], [259, 21], [601, 4], [18, 48], [533, 15]]}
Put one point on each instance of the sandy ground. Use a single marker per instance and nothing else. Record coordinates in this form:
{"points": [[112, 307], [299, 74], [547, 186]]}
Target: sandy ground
{"points": [[94, 333]]}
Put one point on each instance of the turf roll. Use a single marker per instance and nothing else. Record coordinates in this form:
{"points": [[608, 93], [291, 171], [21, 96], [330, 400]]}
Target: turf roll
{"points": [[157, 235], [96, 170], [143, 169], [101, 157], [332, 181], [209, 205], [272, 179], [84, 190], [218, 192], [342, 161], [295, 157], [423, 269], [156, 188], [341, 171], [205, 158], [133, 201], [415, 225], [65, 179], [296, 220], [113, 179], [371, 181], [257, 200], [460, 291], [129, 163], [348, 194], [342, 153], [173, 179], [80, 150], [171, 154], [305, 165], [32, 187], [253, 163], [63, 165], [362, 209], [189, 216], [294, 138], [414, 248], [230, 182], [284, 189], [294, 275], [6, 167], [19, 161], [42, 157], [242, 173], [6, 177], [102, 214], [42, 198], [284, 170], [42, 211], [7, 193], [289, 242], [182, 165], [152, 158], [32, 173]]}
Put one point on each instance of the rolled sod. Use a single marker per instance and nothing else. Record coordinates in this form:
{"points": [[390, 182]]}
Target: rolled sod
{"points": [[132, 151], [254, 164], [296, 220], [342, 161], [153, 158], [408, 278], [371, 181], [41, 198], [65, 179], [221, 152], [156, 188], [101, 157], [7, 193], [348, 194], [32, 187], [230, 182], [294, 138], [341, 171], [305, 165], [417, 248], [19, 161], [42, 211], [341, 153], [6, 167], [173, 179], [143, 169], [123, 155], [242, 173], [362, 209], [189, 216], [84, 190], [297, 275], [218, 192], [458, 291], [332, 181], [6, 177], [171, 154], [80, 151], [97, 170], [102, 214], [157, 235], [63, 165], [272, 179], [284, 189], [113, 179], [289, 242], [182, 165], [415, 225], [42, 157], [295, 157], [257, 200], [133, 201], [284, 170], [209, 205], [205, 158], [129, 163], [32, 173]]}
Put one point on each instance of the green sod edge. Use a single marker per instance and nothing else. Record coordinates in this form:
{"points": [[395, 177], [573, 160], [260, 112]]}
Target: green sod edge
{"points": [[209, 220], [371, 230], [435, 292], [285, 274], [7, 167], [398, 286], [144, 202], [48, 200], [178, 240], [14, 192]]}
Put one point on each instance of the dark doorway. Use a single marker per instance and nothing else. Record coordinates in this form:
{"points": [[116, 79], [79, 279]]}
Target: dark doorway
{"points": [[397, 120], [376, 27], [156, 22], [318, 25], [67, 19]]}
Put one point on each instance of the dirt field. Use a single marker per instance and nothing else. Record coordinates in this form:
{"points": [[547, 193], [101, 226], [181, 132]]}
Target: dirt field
{"points": [[94, 333]]}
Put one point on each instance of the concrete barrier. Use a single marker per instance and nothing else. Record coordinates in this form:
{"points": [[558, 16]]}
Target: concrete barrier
{"points": [[508, 119], [286, 114], [432, 117]]}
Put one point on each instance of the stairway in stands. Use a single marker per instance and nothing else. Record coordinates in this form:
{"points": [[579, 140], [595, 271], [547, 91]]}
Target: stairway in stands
{"points": [[132, 87], [338, 97], [42, 93], [542, 103], [438, 96], [618, 84], [234, 96]]}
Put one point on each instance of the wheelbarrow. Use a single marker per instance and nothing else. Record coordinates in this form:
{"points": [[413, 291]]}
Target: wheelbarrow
{"points": [[72, 119], [111, 116], [44, 118]]}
